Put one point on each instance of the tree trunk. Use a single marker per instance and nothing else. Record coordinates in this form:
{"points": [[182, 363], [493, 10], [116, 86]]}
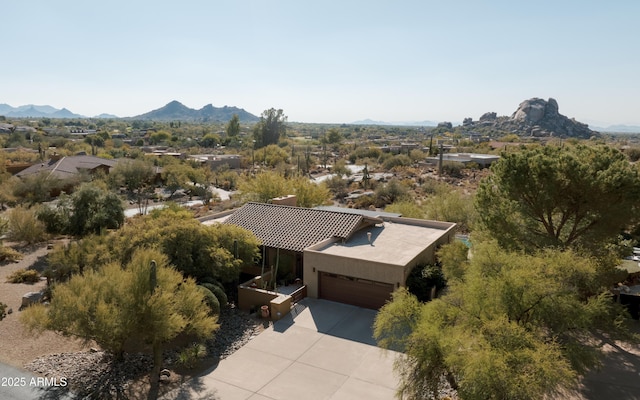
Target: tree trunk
{"points": [[154, 376]]}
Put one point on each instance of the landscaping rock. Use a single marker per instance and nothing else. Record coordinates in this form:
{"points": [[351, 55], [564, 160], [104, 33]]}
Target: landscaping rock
{"points": [[31, 298]]}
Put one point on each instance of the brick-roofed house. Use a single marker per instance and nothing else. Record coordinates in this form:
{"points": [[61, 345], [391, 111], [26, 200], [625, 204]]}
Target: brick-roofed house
{"points": [[343, 256]]}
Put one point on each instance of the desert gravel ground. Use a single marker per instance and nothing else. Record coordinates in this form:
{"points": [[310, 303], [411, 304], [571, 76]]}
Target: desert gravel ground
{"points": [[17, 347]]}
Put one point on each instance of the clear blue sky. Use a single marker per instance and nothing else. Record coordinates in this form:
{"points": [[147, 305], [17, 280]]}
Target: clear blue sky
{"points": [[325, 61]]}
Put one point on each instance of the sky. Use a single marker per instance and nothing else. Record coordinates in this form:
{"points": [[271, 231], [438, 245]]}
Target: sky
{"points": [[330, 61]]}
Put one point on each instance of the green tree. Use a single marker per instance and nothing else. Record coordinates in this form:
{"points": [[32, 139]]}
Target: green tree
{"points": [[334, 136], [571, 196], [271, 127], [210, 140], [512, 326], [115, 306], [216, 251], [137, 176], [93, 209], [233, 127]]}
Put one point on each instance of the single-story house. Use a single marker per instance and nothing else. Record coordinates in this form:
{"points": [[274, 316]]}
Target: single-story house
{"points": [[344, 256], [64, 168]]}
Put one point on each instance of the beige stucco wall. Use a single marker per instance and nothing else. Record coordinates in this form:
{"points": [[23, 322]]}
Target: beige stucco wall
{"points": [[315, 260]]}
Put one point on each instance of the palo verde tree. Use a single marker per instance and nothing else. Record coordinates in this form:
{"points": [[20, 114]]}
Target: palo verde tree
{"points": [[267, 185], [117, 305], [511, 326], [271, 127], [570, 196]]}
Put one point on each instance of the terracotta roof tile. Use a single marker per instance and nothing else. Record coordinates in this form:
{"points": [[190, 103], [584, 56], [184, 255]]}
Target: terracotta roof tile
{"points": [[295, 228]]}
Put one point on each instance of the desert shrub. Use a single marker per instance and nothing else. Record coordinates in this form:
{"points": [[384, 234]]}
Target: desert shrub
{"points": [[211, 300], [217, 291], [9, 254], [3, 311], [633, 154], [389, 193], [452, 169], [190, 355], [363, 202], [400, 160], [55, 220], [24, 226], [24, 276]]}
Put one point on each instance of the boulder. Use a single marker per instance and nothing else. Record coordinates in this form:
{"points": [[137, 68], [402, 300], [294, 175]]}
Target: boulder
{"points": [[31, 298], [488, 116]]}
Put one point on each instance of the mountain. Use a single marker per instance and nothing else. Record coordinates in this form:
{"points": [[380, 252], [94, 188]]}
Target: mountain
{"points": [[34, 111], [534, 117], [176, 111]]}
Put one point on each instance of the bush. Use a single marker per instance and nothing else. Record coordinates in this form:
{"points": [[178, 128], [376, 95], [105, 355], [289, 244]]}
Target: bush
{"points": [[3, 311], [9, 254], [211, 300], [217, 291], [396, 161], [25, 227], [189, 356], [24, 276], [452, 169]]}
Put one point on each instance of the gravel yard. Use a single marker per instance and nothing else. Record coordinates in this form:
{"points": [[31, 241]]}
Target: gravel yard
{"points": [[84, 367]]}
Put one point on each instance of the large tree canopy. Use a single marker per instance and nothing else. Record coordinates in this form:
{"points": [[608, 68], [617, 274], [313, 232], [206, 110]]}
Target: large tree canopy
{"points": [[571, 196], [511, 326], [271, 127]]}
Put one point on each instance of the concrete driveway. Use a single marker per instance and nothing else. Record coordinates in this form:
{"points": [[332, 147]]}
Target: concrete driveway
{"points": [[322, 350]]}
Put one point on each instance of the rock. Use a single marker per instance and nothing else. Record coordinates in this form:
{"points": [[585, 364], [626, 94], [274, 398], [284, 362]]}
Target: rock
{"points": [[534, 117], [10, 311], [31, 298], [467, 121], [165, 372], [445, 124], [488, 116]]}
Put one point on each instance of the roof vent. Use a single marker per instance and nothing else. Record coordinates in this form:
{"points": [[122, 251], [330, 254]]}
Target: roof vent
{"points": [[369, 237]]}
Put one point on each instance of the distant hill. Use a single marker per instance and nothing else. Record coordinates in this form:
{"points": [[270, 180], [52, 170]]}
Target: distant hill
{"points": [[34, 111], [106, 116], [398, 123], [176, 111], [620, 129]]}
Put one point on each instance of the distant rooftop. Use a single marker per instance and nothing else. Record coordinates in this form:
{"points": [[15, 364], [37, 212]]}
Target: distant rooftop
{"points": [[368, 213]]}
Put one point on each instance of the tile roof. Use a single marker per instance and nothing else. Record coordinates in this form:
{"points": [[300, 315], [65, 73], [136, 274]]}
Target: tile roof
{"points": [[295, 228], [67, 167]]}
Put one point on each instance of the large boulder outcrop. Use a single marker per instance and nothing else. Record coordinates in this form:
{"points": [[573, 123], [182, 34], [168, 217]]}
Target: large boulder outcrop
{"points": [[535, 117]]}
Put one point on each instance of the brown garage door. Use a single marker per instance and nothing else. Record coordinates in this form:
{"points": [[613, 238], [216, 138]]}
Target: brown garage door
{"points": [[358, 292]]}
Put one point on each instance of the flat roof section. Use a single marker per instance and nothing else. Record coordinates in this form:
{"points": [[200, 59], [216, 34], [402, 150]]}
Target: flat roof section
{"points": [[392, 243]]}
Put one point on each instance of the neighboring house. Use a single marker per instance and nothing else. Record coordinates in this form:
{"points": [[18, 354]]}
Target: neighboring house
{"points": [[215, 161], [482, 160], [66, 168], [344, 256]]}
